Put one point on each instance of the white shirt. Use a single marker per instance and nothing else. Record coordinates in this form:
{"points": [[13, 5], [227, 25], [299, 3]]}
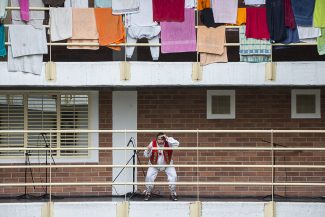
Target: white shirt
{"points": [[161, 160]]}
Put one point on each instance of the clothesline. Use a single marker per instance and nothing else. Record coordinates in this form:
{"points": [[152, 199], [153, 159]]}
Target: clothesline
{"points": [[155, 45]]}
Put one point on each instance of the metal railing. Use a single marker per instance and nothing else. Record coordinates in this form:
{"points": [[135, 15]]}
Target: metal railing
{"points": [[197, 165]]}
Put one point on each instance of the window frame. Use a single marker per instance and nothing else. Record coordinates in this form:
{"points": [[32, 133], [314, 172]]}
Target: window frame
{"points": [[93, 124], [232, 94], [295, 92]]}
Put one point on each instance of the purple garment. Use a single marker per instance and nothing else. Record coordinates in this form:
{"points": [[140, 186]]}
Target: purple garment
{"points": [[179, 36], [24, 9]]}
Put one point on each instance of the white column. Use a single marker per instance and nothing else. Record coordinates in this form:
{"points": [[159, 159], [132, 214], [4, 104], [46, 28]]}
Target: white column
{"points": [[124, 117]]}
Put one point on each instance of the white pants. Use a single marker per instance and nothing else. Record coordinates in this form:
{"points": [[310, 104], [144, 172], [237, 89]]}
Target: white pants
{"points": [[153, 172]]}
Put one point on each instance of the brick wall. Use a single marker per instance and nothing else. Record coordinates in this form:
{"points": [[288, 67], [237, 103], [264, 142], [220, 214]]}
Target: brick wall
{"points": [[186, 109], [255, 110]]}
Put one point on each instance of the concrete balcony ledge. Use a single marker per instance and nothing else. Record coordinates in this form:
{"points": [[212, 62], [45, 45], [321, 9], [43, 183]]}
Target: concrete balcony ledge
{"points": [[162, 209], [168, 74]]}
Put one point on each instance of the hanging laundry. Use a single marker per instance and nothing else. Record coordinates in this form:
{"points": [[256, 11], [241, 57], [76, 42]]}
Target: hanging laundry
{"points": [[210, 44], [288, 14], [138, 32], [144, 17], [207, 18], [24, 9], [309, 34], [26, 53], [61, 23], [179, 36], [125, 6], [253, 50], [110, 28], [84, 29], [76, 4], [3, 51], [292, 37], [254, 2], [190, 3], [168, 10], [103, 3], [275, 20], [225, 11], [303, 11], [256, 23], [201, 4], [241, 17], [142, 26], [321, 43], [54, 3], [36, 17], [319, 14], [3, 11]]}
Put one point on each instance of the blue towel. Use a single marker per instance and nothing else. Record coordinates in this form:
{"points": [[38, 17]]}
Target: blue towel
{"points": [[303, 11], [103, 3], [3, 51], [292, 37]]}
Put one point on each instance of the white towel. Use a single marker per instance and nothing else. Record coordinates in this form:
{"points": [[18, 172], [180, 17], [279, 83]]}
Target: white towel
{"points": [[36, 17], [32, 44], [61, 23], [144, 17], [76, 4], [190, 3], [225, 11], [125, 6], [309, 34], [254, 2], [3, 12]]}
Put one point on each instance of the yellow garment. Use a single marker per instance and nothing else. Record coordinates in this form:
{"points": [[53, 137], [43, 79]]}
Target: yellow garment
{"points": [[201, 4], [319, 14], [210, 44], [241, 17], [84, 29]]}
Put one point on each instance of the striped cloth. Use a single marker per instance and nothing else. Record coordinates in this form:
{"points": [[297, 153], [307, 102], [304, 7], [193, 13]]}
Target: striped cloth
{"points": [[321, 43], [253, 50]]}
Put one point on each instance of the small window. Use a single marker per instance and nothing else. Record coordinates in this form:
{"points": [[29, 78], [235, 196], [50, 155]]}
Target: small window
{"points": [[305, 104], [220, 104]]}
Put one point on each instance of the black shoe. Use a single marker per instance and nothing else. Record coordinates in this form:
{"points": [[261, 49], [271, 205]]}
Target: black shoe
{"points": [[147, 197], [173, 197]]}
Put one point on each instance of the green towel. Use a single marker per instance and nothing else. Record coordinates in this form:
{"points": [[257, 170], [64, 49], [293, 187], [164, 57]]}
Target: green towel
{"points": [[3, 12], [253, 50], [321, 43], [319, 14]]}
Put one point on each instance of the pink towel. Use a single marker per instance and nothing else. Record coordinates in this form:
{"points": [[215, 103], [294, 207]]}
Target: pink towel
{"points": [[24, 9], [179, 36]]}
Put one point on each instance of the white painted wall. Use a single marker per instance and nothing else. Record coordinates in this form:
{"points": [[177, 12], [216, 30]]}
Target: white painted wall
{"points": [[124, 117], [159, 209], [21, 209], [176, 74], [85, 209], [233, 209], [286, 209]]}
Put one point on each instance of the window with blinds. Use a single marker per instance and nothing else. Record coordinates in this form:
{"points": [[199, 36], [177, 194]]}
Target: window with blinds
{"points": [[36, 111]]}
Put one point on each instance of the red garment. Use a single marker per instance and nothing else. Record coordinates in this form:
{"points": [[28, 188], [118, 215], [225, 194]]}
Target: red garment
{"points": [[288, 14], [168, 10], [256, 23], [167, 153]]}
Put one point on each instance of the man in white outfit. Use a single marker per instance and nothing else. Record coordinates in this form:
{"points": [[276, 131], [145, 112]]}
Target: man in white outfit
{"points": [[161, 157]]}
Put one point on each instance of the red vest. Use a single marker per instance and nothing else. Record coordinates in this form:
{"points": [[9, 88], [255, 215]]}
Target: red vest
{"points": [[167, 153]]}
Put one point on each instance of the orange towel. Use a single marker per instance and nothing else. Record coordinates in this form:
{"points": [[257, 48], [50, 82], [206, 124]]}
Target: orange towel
{"points": [[241, 17], [84, 28], [110, 28], [210, 44], [201, 4]]}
